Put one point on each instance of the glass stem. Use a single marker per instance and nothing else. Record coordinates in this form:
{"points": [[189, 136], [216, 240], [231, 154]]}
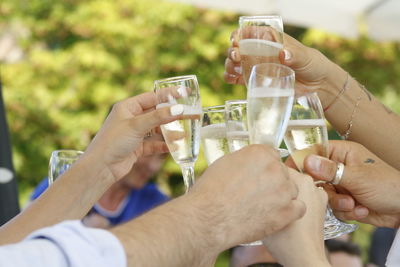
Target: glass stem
{"points": [[188, 175]]}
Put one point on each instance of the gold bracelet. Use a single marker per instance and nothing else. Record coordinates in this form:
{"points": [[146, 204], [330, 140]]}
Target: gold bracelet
{"points": [[344, 88]]}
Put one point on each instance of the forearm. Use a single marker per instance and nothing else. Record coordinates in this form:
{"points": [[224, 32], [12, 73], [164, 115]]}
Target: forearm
{"points": [[170, 235], [69, 198], [307, 255], [374, 125]]}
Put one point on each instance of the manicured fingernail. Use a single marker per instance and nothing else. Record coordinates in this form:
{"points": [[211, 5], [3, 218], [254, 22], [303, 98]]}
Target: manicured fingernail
{"points": [[288, 55], [238, 69], [361, 211], [176, 110], [234, 55], [314, 163]]}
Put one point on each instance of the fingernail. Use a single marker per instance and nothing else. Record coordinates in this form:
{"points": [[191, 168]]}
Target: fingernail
{"points": [[314, 163], [344, 204], [361, 211], [238, 69], [176, 110], [288, 55], [233, 55]]}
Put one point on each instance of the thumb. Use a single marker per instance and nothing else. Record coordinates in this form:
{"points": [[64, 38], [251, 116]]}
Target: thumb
{"points": [[324, 169], [147, 121]]}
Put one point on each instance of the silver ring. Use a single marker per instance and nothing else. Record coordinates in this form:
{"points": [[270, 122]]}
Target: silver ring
{"points": [[338, 174]]}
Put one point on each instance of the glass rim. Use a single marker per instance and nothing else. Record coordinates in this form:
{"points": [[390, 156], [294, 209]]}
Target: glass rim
{"points": [[289, 70], [57, 152], [236, 101], [258, 17], [176, 79], [218, 108]]}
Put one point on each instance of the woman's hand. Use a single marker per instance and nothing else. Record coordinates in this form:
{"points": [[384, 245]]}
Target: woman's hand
{"points": [[121, 141], [312, 68]]}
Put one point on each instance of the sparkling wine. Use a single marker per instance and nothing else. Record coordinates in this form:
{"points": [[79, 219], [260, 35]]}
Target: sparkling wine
{"points": [[306, 137], [256, 51], [268, 112], [183, 136], [215, 144]]}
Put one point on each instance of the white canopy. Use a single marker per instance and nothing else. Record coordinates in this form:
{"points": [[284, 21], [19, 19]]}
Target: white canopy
{"points": [[380, 18]]}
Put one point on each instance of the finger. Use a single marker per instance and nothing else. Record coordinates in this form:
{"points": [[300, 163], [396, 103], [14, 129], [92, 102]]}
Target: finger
{"points": [[290, 163], [145, 122], [323, 196], [154, 147], [232, 67], [234, 55], [294, 211], [231, 78], [165, 94], [358, 213], [139, 103], [235, 38], [293, 54], [324, 169], [340, 202], [294, 190]]}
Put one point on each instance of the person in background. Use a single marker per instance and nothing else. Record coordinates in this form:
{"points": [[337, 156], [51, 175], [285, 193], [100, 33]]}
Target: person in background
{"points": [[381, 241], [343, 253], [128, 198]]}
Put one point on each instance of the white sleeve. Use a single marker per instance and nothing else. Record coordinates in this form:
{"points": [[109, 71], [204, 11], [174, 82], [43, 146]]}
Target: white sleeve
{"points": [[393, 258], [65, 244]]}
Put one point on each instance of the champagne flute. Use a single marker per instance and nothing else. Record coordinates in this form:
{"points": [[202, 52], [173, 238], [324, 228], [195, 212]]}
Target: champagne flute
{"points": [[307, 134], [61, 161], [270, 95], [237, 133], [260, 41], [182, 136], [236, 124], [213, 133]]}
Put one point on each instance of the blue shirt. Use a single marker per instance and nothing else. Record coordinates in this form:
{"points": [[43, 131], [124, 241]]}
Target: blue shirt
{"points": [[136, 203]]}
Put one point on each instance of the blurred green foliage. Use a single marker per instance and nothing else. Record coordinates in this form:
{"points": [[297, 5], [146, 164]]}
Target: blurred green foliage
{"points": [[81, 56]]}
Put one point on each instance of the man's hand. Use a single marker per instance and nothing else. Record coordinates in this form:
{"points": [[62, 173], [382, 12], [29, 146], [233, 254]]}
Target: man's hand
{"points": [[302, 243], [247, 195], [369, 190]]}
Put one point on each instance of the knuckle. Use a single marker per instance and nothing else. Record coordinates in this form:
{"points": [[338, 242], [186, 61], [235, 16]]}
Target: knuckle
{"points": [[273, 225], [117, 106]]}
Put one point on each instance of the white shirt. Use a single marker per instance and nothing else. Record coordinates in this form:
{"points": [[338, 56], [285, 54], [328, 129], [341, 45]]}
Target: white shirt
{"points": [[66, 244], [393, 258]]}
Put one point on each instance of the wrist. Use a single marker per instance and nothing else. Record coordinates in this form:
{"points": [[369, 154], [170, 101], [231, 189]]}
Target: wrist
{"points": [[333, 84], [96, 173], [309, 253], [309, 262]]}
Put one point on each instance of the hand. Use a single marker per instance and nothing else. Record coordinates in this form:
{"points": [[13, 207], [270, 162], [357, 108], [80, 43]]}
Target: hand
{"points": [[311, 66], [242, 198], [302, 242], [120, 141], [369, 189]]}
